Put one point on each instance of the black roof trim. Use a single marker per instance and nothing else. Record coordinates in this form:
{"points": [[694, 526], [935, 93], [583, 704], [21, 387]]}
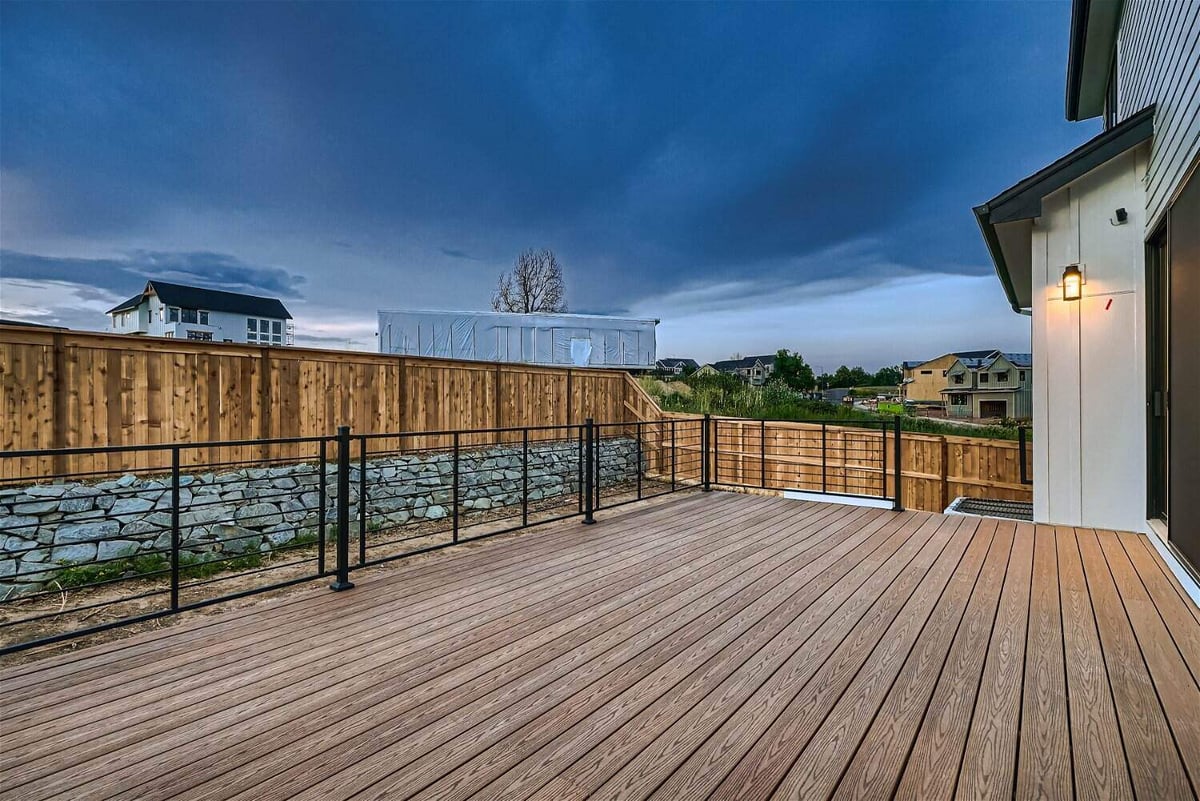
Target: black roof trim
{"points": [[132, 303], [1023, 200], [194, 297], [1094, 27]]}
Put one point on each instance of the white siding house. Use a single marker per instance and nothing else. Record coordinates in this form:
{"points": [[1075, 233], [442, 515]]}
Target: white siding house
{"points": [[1116, 395], [187, 312]]}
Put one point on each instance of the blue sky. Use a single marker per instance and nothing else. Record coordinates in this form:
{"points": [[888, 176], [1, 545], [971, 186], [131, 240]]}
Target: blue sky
{"points": [[755, 176]]}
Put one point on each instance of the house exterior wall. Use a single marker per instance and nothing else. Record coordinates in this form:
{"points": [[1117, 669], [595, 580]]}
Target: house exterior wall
{"points": [[928, 386], [1089, 376], [1158, 61], [151, 319]]}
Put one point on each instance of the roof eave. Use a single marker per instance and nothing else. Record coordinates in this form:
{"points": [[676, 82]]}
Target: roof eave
{"points": [[1094, 26], [982, 216]]}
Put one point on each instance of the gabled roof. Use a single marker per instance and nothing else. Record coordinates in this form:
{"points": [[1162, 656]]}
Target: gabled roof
{"points": [[193, 297], [961, 354], [744, 363], [672, 362], [1004, 220]]}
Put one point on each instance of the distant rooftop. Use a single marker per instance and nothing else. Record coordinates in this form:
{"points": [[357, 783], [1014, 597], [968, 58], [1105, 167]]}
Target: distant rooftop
{"points": [[194, 297]]}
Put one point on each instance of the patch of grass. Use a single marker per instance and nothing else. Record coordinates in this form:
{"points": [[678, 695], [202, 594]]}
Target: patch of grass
{"points": [[131, 565]]}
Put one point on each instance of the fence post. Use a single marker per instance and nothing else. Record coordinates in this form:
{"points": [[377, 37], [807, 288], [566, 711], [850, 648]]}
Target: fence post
{"points": [[454, 488], [762, 441], [824, 461], [704, 466], [175, 538], [342, 580], [674, 454], [588, 466], [898, 500], [1022, 459]]}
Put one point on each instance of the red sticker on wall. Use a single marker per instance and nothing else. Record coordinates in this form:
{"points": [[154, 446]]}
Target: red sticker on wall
{"points": [[1108, 305]]}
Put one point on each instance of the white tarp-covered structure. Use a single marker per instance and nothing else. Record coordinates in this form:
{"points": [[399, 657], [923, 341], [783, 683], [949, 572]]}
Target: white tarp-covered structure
{"points": [[579, 340]]}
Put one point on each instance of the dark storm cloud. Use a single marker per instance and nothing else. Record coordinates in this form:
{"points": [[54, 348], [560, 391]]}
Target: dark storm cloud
{"points": [[652, 145], [127, 275]]}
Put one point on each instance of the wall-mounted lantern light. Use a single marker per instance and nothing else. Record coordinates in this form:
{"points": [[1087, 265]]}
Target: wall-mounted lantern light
{"points": [[1072, 282]]}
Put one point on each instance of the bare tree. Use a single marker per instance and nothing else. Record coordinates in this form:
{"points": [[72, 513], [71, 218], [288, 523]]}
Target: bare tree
{"points": [[535, 284]]}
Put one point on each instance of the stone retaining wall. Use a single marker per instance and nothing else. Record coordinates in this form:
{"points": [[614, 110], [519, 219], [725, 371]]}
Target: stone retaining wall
{"points": [[46, 527]]}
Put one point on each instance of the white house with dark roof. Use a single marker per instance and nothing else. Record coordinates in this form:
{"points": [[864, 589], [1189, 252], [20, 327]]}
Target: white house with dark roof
{"points": [[1102, 249], [998, 385], [209, 315]]}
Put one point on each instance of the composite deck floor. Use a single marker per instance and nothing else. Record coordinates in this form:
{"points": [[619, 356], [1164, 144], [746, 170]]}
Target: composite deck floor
{"points": [[718, 645]]}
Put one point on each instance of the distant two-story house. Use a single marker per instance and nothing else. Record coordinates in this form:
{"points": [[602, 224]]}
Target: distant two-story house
{"points": [[207, 315], [994, 386], [677, 366], [923, 381], [754, 370]]}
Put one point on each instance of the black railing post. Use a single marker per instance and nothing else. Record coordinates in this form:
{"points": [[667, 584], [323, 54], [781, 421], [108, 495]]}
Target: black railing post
{"points": [[342, 581], [525, 477], [898, 501], [704, 448], [175, 538], [824, 461], [637, 427], [454, 488], [362, 500], [589, 440], [762, 441], [322, 509]]}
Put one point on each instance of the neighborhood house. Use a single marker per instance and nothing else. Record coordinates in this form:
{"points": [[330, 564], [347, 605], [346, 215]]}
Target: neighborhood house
{"points": [[994, 386], [189, 312]]}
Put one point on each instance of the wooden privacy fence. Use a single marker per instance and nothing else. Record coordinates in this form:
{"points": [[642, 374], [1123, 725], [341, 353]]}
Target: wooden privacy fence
{"points": [[778, 455], [67, 389]]}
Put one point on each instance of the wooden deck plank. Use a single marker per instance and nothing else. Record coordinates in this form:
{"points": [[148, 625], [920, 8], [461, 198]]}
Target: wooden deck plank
{"points": [[455, 738], [713, 645], [827, 662], [1044, 759], [1173, 609], [643, 711], [744, 633], [355, 632], [1177, 689], [244, 701], [928, 768], [1101, 769], [989, 763], [491, 559], [1155, 766], [317, 659], [818, 769]]}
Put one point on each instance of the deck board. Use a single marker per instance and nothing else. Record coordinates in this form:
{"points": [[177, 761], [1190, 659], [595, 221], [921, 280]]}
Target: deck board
{"points": [[710, 645]]}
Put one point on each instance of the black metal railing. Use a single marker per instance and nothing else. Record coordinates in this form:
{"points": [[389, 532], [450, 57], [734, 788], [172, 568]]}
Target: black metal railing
{"points": [[135, 533], [853, 458]]}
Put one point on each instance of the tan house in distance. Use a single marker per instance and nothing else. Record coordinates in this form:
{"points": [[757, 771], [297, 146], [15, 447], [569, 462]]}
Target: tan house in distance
{"points": [[923, 382]]}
